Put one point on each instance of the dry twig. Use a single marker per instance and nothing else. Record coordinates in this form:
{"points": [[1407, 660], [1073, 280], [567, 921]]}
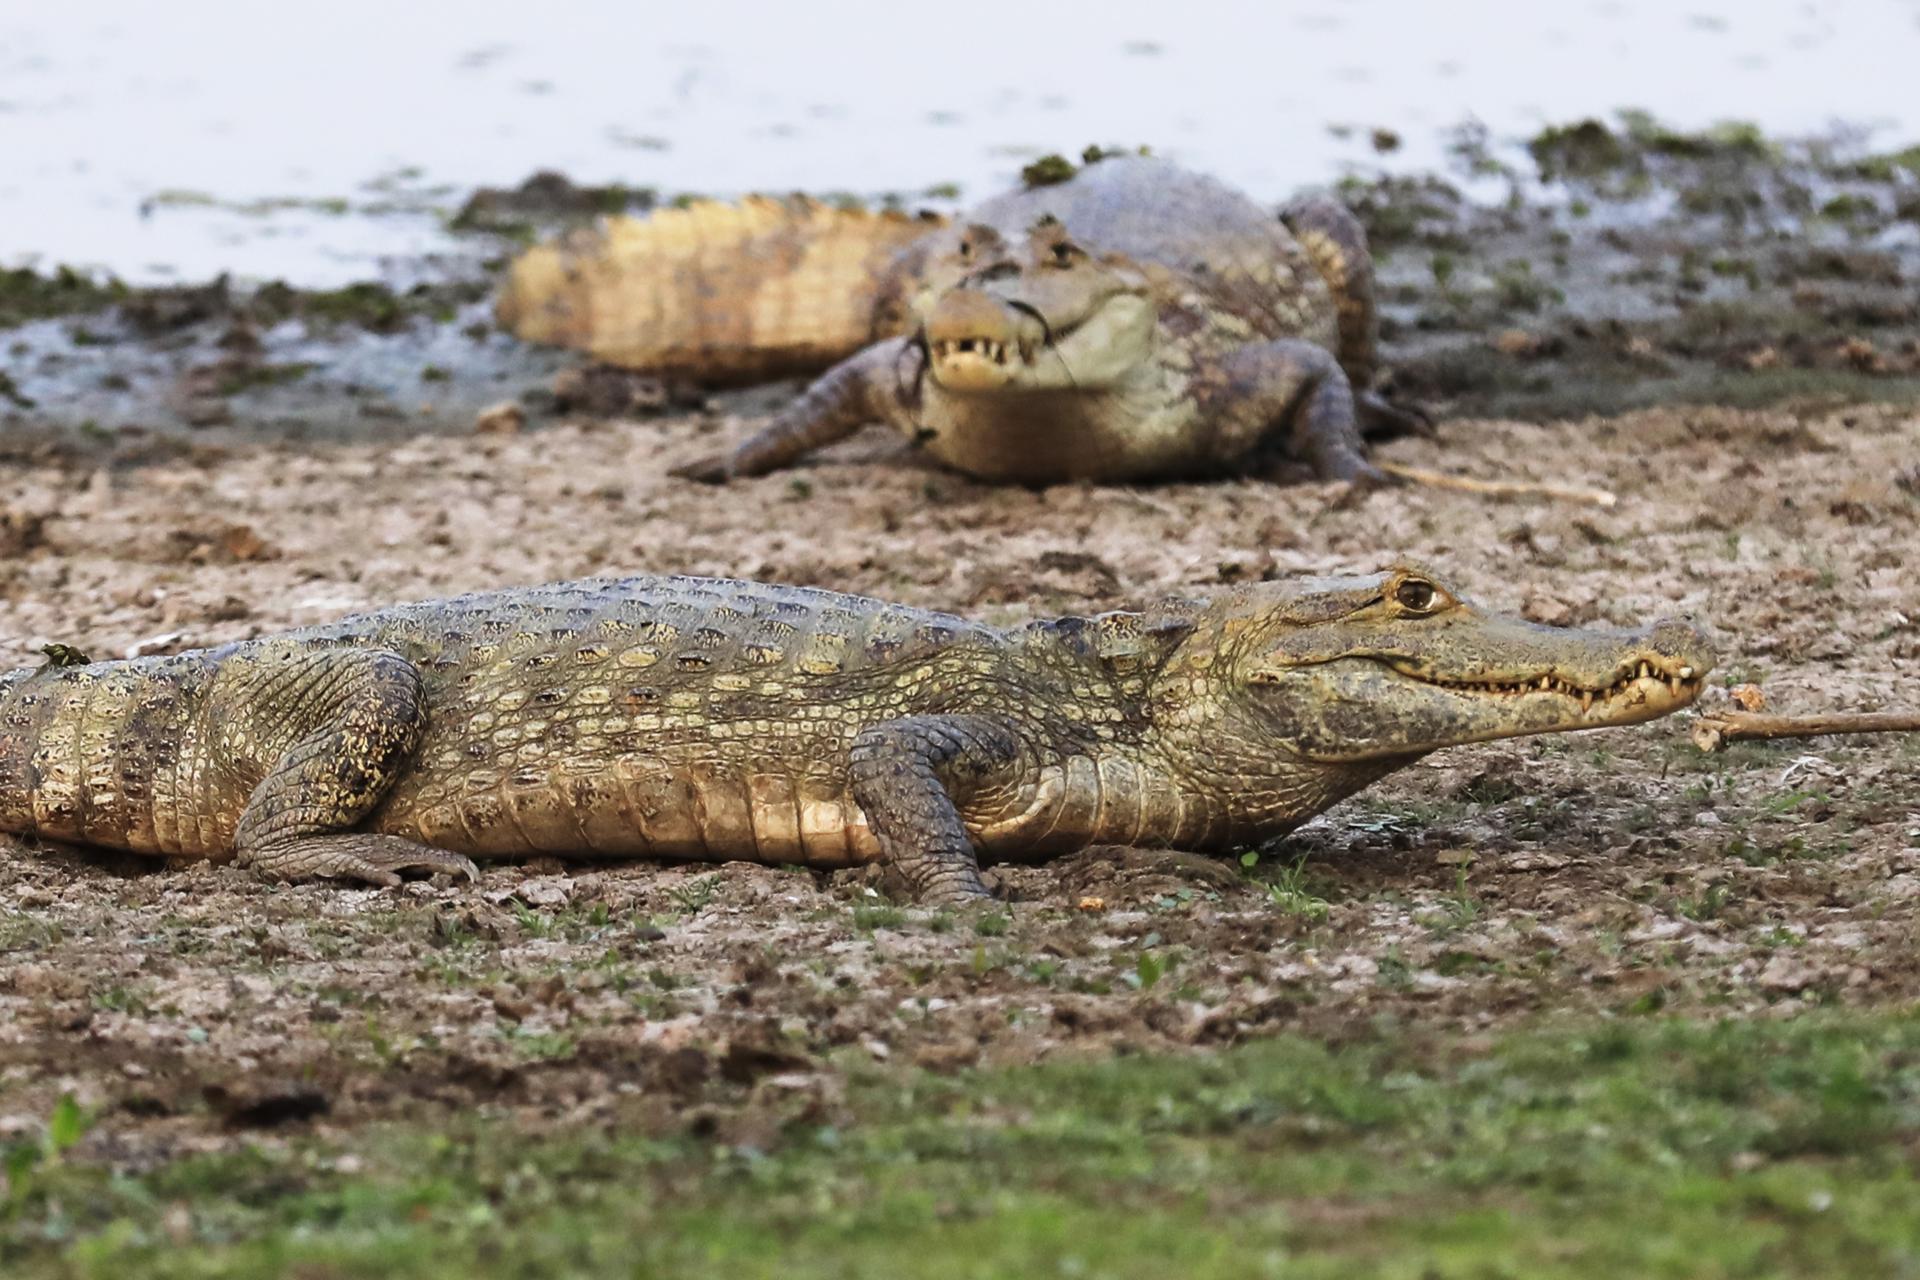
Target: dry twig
{"points": [[1715, 729]]}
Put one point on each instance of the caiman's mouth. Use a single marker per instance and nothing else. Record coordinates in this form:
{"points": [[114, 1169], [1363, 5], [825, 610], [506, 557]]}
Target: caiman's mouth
{"points": [[1647, 683], [957, 353], [978, 342]]}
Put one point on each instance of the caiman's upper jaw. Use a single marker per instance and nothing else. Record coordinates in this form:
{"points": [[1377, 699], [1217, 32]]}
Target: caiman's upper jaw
{"points": [[966, 361], [1650, 687]]}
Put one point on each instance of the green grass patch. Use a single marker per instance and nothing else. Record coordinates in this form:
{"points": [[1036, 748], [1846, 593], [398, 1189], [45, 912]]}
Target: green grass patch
{"points": [[1656, 1148]]}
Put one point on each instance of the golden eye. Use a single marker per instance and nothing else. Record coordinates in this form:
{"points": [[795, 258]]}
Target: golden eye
{"points": [[1415, 594], [966, 249]]}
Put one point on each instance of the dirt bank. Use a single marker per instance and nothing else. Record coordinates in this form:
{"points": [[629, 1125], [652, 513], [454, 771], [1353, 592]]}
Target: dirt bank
{"points": [[1615, 871]]}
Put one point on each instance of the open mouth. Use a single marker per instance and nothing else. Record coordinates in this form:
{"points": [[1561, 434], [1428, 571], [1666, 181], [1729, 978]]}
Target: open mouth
{"points": [[980, 349], [1682, 684]]}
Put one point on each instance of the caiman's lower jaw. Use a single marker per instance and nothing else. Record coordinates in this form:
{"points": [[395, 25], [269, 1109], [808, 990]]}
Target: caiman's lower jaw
{"points": [[1640, 694]]}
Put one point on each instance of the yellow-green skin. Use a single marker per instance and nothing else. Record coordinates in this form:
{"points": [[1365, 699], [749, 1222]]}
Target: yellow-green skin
{"points": [[1147, 322], [713, 719]]}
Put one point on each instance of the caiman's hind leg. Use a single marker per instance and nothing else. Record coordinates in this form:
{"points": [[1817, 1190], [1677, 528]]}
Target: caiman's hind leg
{"points": [[1291, 394], [879, 384], [907, 775], [344, 722], [1336, 243]]}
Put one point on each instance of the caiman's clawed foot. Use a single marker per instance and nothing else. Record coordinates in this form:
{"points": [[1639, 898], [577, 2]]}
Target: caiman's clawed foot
{"points": [[1382, 419], [1361, 484], [1351, 467], [961, 890], [717, 469], [370, 859]]}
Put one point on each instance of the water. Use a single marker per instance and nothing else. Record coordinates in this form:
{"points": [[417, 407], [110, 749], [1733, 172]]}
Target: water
{"points": [[321, 143]]}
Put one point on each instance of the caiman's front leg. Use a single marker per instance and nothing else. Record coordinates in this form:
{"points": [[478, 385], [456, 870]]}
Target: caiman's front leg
{"points": [[1293, 393], [908, 775], [345, 722], [878, 384]]}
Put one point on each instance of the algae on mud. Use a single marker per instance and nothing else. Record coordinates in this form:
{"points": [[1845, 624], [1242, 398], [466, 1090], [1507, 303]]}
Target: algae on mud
{"points": [[1659, 267]]}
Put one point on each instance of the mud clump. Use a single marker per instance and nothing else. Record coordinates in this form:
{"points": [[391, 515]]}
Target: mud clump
{"points": [[545, 200], [27, 295]]}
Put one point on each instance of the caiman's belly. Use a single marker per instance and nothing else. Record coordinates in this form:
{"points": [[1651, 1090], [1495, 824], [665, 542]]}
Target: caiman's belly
{"points": [[1087, 800], [642, 806], [1030, 439], [633, 806]]}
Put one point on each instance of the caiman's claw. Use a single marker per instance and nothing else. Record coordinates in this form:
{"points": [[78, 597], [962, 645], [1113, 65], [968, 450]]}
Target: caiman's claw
{"points": [[1353, 468], [362, 856], [1356, 484], [1382, 419], [1367, 477], [717, 469]]}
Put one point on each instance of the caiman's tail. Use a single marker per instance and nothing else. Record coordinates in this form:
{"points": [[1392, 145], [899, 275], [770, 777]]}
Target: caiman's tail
{"points": [[1337, 245], [716, 292]]}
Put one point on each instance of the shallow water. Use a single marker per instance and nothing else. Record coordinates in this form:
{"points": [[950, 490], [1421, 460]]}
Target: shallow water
{"points": [[323, 143]]}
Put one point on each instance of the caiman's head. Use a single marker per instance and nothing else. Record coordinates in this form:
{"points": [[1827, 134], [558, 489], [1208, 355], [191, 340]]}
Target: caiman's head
{"points": [[1351, 670], [1046, 315]]}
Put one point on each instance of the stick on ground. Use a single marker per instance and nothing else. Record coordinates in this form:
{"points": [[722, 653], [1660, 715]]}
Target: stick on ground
{"points": [[1441, 480], [1715, 729]]}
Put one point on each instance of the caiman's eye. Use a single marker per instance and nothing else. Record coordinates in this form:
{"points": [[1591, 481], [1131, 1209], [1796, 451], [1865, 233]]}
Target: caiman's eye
{"points": [[1062, 255], [966, 250], [1415, 594]]}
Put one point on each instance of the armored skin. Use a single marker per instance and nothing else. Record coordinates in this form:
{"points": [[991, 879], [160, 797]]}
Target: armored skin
{"points": [[1135, 322], [713, 719]]}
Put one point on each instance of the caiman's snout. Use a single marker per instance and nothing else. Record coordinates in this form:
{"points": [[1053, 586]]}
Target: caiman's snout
{"points": [[976, 341], [1685, 647], [1657, 669], [1512, 677]]}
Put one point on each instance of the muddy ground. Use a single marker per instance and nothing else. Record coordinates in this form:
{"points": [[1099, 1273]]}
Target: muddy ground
{"points": [[1615, 873]]}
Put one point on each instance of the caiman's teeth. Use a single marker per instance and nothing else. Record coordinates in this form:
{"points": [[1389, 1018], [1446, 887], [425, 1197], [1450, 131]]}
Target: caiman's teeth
{"points": [[995, 351], [1624, 687]]}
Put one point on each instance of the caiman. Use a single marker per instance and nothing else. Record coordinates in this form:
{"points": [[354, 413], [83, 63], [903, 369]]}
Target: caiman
{"points": [[696, 718], [1135, 322]]}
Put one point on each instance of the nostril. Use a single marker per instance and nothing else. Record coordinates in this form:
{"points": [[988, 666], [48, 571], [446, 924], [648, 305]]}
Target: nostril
{"points": [[994, 271]]}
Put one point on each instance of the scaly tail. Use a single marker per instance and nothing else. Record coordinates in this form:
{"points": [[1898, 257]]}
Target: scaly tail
{"points": [[1337, 245], [716, 292]]}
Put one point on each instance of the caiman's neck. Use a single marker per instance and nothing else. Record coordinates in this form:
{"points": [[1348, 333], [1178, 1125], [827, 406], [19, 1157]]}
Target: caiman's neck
{"points": [[1124, 647]]}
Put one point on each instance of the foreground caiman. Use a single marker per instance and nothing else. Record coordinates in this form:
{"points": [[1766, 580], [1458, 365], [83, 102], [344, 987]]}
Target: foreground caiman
{"points": [[1137, 321], [712, 719]]}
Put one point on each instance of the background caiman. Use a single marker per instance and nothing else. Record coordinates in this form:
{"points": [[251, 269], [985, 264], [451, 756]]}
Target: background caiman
{"points": [[1136, 321], [707, 718]]}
